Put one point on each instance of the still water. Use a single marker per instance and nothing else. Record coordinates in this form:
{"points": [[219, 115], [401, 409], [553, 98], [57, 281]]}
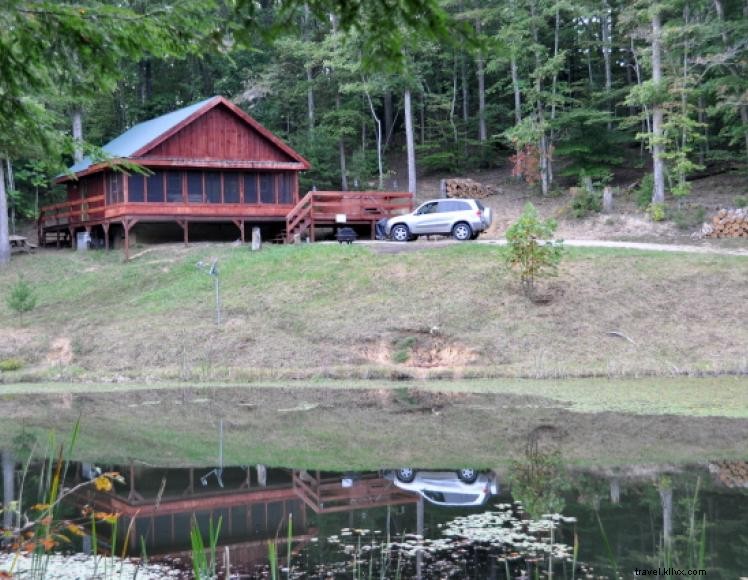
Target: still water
{"points": [[534, 519]]}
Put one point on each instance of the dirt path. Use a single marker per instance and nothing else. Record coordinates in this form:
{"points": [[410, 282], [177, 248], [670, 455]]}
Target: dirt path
{"points": [[386, 247]]}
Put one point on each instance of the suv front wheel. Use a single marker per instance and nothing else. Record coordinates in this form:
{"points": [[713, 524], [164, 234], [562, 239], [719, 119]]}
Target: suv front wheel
{"points": [[462, 231], [400, 233]]}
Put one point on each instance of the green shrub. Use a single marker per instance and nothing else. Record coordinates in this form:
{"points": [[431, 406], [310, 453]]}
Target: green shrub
{"points": [[21, 298], [656, 211], [586, 203], [689, 217], [531, 248], [741, 201], [644, 191], [11, 364]]}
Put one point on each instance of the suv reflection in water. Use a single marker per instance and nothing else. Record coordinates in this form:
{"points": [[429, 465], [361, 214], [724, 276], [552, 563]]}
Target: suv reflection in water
{"points": [[464, 487]]}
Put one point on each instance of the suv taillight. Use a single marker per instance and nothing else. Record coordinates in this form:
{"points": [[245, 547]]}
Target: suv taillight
{"points": [[479, 213]]}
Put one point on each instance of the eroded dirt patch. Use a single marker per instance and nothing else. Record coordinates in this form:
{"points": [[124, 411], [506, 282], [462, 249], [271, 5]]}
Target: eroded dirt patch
{"points": [[60, 351], [424, 351]]}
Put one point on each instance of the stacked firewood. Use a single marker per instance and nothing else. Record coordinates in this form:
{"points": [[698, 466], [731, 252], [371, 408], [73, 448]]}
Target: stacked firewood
{"points": [[730, 473], [732, 223], [467, 188]]}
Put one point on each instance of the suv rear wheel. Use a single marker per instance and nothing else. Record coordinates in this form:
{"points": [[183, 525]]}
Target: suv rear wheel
{"points": [[467, 475], [406, 474], [400, 233], [462, 231]]}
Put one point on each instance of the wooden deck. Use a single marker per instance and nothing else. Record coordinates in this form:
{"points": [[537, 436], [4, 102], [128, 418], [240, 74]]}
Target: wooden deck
{"points": [[324, 208], [368, 491], [316, 208]]}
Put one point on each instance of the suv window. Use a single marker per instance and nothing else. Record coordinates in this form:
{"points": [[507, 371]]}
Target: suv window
{"points": [[453, 205], [429, 208]]}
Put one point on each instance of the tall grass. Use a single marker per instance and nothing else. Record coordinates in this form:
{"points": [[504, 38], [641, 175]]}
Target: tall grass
{"points": [[204, 561]]}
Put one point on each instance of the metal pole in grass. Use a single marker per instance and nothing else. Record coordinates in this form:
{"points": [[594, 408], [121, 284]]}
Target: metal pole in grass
{"points": [[212, 271]]}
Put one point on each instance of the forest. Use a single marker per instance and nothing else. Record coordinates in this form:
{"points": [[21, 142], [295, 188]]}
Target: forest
{"points": [[561, 89]]}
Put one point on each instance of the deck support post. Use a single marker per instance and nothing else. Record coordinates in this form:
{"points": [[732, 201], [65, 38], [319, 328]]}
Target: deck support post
{"points": [[373, 230], [57, 238], [72, 238], [311, 231], [185, 225], [105, 227], [240, 224], [133, 495], [127, 224]]}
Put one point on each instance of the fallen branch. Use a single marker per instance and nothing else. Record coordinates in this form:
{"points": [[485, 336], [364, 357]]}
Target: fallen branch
{"points": [[620, 335]]}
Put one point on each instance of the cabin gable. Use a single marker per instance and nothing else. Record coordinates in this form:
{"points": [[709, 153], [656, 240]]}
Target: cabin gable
{"points": [[219, 134]]}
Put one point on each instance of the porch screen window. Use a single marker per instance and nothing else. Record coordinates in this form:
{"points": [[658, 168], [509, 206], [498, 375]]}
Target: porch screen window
{"points": [[267, 195], [136, 188], [213, 187], [155, 192], [173, 187], [230, 188], [250, 188], [195, 187], [285, 188]]}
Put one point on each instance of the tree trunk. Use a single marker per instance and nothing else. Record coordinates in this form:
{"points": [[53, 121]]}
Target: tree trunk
{"points": [[4, 240], [607, 48], [744, 119], [465, 90], [423, 118], [9, 492], [552, 137], [658, 164], [388, 116], [410, 145], [543, 147], [482, 131], [341, 150], [310, 98], [77, 118], [378, 123], [666, 499], [517, 94], [146, 80]]}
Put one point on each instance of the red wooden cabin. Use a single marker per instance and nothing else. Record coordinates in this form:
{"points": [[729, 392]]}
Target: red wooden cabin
{"points": [[209, 162]]}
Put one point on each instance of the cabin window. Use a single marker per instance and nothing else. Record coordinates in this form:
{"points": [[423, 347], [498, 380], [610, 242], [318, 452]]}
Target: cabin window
{"points": [[250, 188], [155, 193], [195, 187], [136, 188], [174, 187], [213, 187], [267, 195], [285, 188], [230, 188]]}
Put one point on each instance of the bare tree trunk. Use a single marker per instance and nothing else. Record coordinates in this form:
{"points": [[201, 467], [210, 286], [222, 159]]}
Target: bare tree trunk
{"points": [[310, 98], [517, 94], [388, 117], [607, 48], [540, 114], [666, 499], [453, 104], [744, 119], [482, 131], [658, 193], [552, 137], [465, 90], [341, 149], [409, 141], [9, 492], [146, 80], [77, 118], [4, 239], [378, 123], [423, 118]]}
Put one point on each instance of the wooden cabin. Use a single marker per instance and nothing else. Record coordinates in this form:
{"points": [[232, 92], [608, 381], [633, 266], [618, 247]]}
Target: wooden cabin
{"points": [[208, 162]]}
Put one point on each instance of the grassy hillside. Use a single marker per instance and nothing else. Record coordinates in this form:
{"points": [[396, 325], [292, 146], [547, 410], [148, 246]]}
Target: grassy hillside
{"points": [[332, 311]]}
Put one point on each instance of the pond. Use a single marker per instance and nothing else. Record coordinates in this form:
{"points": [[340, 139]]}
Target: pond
{"points": [[534, 518]]}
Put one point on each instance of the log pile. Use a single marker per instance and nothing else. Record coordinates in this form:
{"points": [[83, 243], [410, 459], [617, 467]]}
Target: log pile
{"points": [[732, 223], [466, 188], [730, 473]]}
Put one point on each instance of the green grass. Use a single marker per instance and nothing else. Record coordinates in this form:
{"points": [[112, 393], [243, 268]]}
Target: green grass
{"points": [[321, 310]]}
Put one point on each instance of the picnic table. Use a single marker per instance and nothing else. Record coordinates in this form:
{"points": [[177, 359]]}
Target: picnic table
{"points": [[20, 244]]}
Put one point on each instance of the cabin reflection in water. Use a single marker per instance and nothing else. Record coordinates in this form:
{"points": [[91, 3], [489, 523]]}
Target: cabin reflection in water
{"points": [[254, 505]]}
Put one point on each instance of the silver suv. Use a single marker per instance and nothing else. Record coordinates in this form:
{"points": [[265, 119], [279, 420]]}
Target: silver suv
{"points": [[464, 219]]}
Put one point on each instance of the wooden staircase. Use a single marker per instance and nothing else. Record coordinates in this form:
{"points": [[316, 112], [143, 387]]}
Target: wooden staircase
{"points": [[326, 208]]}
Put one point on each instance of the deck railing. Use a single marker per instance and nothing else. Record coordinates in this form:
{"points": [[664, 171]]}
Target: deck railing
{"points": [[368, 206], [73, 212]]}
